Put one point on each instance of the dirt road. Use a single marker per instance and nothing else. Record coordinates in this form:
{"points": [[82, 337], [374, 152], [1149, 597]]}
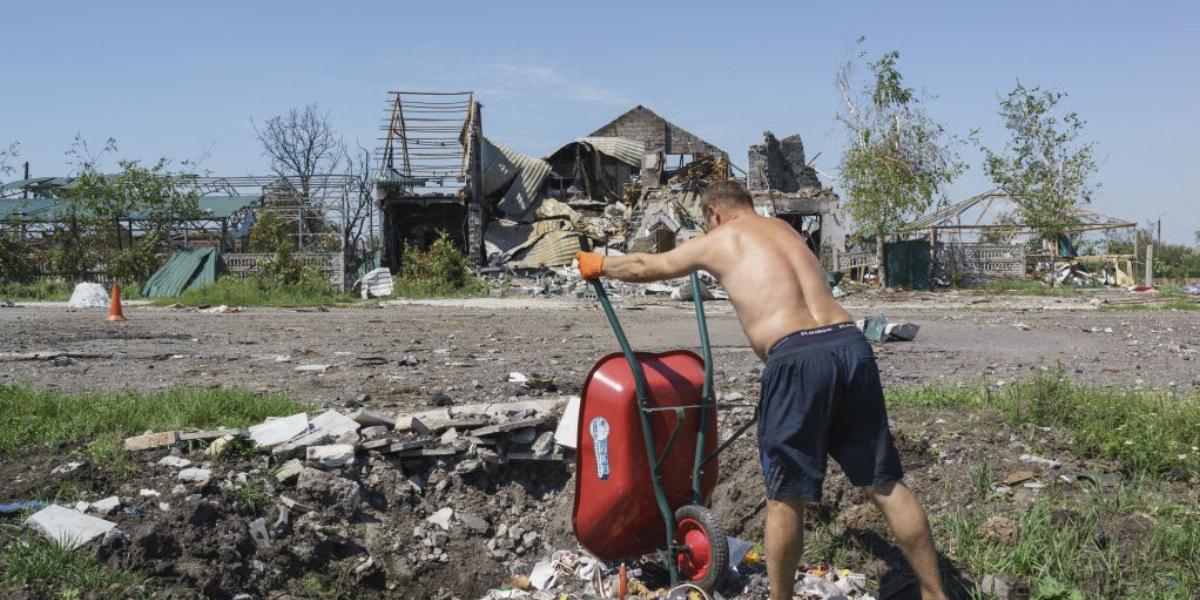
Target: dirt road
{"points": [[467, 348]]}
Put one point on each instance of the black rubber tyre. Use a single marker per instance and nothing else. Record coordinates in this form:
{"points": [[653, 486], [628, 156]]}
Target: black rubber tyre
{"points": [[697, 523]]}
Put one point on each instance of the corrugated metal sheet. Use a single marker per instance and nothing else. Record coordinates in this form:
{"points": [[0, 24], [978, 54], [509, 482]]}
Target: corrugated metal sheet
{"points": [[552, 249], [185, 269], [625, 150], [502, 165]]}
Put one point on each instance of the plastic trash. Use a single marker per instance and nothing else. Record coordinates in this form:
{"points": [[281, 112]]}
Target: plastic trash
{"points": [[544, 575]]}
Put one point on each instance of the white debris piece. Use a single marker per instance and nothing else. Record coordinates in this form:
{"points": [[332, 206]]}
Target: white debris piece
{"points": [[106, 506], [66, 527], [276, 431], [441, 518], [313, 368], [568, 424], [334, 423], [331, 456], [1037, 460], [195, 475], [174, 461], [89, 295], [377, 284], [516, 377]]}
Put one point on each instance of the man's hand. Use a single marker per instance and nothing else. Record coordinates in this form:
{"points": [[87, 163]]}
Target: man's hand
{"points": [[591, 265]]}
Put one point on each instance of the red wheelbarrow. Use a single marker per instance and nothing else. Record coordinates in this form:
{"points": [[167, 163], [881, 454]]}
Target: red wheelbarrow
{"points": [[643, 479]]}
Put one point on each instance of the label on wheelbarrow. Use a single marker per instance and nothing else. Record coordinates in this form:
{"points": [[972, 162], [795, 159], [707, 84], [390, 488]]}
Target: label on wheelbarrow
{"points": [[599, 432]]}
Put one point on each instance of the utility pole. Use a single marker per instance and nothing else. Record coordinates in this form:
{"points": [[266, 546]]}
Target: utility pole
{"points": [[1159, 242]]}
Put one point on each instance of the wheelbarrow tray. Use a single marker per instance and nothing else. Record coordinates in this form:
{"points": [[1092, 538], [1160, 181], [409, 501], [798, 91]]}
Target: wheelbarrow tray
{"points": [[615, 513]]}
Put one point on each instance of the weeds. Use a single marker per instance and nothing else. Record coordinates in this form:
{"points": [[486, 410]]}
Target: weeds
{"points": [[55, 572], [1185, 304], [32, 419], [983, 478], [250, 498], [1150, 432], [261, 291], [440, 271], [1032, 288]]}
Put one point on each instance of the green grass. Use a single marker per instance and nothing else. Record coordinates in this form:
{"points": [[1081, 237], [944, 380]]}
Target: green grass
{"points": [[32, 562], [250, 498], [1186, 304], [32, 420], [52, 290], [403, 288], [260, 291], [1032, 288], [1062, 550], [1146, 431]]}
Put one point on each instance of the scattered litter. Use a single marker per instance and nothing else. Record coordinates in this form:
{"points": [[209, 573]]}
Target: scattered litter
{"points": [[22, 506], [377, 283], [1037, 460], [319, 369]]}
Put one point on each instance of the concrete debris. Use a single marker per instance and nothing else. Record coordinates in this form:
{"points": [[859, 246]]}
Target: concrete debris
{"points": [[369, 418], [441, 518], [328, 490], [105, 506], [152, 440], [902, 331], [66, 467], [273, 432], [195, 475], [330, 457], [66, 527], [335, 424], [568, 425], [289, 470], [176, 462], [218, 447]]}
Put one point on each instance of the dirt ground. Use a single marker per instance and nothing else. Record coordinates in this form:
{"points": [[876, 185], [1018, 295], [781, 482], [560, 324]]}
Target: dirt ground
{"points": [[396, 357], [466, 348]]}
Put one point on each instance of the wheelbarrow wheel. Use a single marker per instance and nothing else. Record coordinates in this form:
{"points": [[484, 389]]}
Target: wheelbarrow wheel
{"points": [[704, 558]]}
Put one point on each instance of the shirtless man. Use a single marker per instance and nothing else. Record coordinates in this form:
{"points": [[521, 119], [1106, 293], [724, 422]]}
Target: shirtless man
{"points": [[821, 392]]}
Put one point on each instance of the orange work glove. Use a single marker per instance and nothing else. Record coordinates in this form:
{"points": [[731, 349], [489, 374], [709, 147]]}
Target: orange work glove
{"points": [[591, 265]]}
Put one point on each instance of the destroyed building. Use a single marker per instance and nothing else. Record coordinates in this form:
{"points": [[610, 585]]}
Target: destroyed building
{"points": [[634, 184], [784, 185]]}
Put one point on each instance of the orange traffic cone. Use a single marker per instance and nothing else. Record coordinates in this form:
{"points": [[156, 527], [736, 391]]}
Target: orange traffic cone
{"points": [[114, 309]]}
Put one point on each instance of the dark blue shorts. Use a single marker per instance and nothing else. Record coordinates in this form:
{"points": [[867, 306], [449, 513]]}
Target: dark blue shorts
{"points": [[821, 396]]}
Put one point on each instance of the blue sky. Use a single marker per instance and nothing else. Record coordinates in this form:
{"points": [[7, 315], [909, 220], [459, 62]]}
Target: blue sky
{"points": [[175, 80]]}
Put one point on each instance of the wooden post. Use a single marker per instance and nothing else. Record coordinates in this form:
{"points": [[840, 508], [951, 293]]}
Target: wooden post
{"points": [[1150, 264]]}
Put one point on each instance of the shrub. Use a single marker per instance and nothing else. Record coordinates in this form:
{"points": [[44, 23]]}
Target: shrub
{"points": [[442, 270]]}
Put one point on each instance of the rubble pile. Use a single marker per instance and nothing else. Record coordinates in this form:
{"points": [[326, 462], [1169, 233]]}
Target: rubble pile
{"points": [[379, 499]]}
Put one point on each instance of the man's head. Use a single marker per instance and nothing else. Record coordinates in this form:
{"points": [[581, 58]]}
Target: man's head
{"points": [[722, 201]]}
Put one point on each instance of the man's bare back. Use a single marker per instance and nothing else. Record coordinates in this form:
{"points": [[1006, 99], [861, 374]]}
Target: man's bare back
{"points": [[774, 281]]}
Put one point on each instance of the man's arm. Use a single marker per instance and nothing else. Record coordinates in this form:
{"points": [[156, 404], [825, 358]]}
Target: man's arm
{"points": [[640, 267]]}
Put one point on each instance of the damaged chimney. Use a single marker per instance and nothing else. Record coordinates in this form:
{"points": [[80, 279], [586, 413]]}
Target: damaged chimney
{"points": [[779, 165]]}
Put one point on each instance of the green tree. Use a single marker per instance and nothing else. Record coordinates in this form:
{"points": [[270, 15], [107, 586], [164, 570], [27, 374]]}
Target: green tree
{"points": [[122, 220], [1043, 166], [897, 160], [7, 154]]}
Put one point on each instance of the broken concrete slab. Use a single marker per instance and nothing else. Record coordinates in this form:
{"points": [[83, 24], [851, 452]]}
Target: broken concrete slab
{"points": [[376, 444], [289, 470], [441, 518], [510, 426], [370, 418], [297, 444], [328, 490], [532, 457], [335, 423], [152, 440], [273, 432], [330, 457], [406, 423], [568, 424], [295, 505], [426, 453], [373, 432], [66, 527]]}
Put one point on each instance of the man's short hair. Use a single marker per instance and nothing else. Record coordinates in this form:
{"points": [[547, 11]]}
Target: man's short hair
{"points": [[726, 194]]}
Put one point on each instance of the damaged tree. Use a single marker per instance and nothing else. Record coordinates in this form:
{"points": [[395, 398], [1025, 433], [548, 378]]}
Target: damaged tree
{"points": [[897, 158], [1042, 164]]}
